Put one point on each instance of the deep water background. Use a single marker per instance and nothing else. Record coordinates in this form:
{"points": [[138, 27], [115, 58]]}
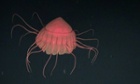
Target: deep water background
{"points": [[116, 24]]}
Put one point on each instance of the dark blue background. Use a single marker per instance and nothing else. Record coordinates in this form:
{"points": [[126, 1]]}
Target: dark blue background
{"points": [[116, 25]]}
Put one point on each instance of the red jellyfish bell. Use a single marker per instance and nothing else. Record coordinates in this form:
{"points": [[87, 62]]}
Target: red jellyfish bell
{"points": [[56, 38]]}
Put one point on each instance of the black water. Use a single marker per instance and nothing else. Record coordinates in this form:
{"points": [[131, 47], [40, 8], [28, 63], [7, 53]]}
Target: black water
{"points": [[116, 24]]}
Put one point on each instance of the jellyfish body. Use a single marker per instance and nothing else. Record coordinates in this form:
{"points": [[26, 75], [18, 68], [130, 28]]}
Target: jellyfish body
{"points": [[56, 38]]}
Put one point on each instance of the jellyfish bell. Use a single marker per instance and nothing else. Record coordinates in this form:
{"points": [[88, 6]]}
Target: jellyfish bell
{"points": [[57, 37]]}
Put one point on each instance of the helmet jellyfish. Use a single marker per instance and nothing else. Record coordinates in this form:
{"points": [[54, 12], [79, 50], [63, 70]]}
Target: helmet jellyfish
{"points": [[55, 38]]}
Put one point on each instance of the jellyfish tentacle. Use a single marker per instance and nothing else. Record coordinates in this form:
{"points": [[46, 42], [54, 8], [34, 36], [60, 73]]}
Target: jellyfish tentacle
{"points": [[24, 22], [74, 66], [35, 13], [55, 64], [96, 54], [83, 46], [86, 39], [22, 37], [28, 62], [19, 25], [28, 67], [86, 32], [87, 47], [89, 39], [76, 31], [33, 46], [46, 65], [30, 52]]}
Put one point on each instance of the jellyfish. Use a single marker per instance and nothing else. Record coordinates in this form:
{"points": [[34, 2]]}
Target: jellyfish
{"points": [[55, 39]]}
